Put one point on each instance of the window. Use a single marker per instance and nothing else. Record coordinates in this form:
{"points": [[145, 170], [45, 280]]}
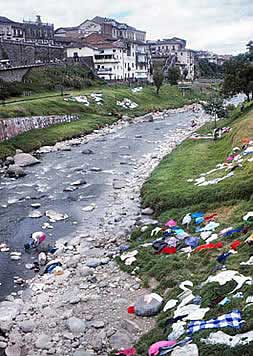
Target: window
{"points": [[114, 50], [173, 47], [132, 65]]}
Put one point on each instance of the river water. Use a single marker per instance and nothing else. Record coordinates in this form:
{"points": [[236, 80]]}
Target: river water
{"points": [[116, 154]]}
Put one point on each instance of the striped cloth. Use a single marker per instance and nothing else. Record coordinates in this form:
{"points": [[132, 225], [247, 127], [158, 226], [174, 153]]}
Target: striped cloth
{"points": [[233, 320]]}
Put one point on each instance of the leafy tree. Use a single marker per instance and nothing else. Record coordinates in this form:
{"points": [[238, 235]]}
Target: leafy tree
{"points": [[158, 78], [238, 76], [215, 108], [210, 70], [174, 75]]}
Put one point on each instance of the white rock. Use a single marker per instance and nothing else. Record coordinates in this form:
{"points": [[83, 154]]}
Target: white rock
{"points": [[75, 325], [25, 159]]}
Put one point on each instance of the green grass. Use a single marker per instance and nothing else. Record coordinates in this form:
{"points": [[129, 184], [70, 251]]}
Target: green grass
{"points": [[170, 97], [167, 188], [34, 139], [91, 116], [168, 192]]}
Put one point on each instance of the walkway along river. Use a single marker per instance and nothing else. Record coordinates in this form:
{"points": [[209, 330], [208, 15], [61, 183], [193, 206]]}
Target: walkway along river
{"points": [[114, 162]]}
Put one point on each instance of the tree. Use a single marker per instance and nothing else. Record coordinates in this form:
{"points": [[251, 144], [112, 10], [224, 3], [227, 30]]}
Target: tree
{"points": [[215, 108], [158, 78], [238, 76], [174, 75]]}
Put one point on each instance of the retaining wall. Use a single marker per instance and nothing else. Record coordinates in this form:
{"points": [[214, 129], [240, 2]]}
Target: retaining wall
{"points": [[23, 53], [10, 128]]}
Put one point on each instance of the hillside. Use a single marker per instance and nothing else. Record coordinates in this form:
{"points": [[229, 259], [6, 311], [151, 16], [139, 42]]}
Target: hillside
{"points": [[172, 193]]}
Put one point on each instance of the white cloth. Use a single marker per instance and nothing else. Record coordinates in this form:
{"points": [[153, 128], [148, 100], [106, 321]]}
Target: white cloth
{"points": [[170, 304], [187, 350], [192, 312], [225, 276], [222, 338]]}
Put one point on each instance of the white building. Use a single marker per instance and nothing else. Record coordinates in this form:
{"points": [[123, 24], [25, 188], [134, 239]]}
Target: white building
{"points": [[114, 60]]}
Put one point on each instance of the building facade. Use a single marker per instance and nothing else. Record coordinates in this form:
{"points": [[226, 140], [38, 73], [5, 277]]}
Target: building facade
{"points": [[173, 52], [38, 32], [10, 30], [27, 31], [114, 59], [103, 26]]}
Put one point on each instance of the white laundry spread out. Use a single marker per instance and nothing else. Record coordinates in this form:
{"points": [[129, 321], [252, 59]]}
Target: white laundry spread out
{"points": [[225, 276], [192, 312], [248, 263], [222, 338], [170, 304], [178, 329], [187, 350]]}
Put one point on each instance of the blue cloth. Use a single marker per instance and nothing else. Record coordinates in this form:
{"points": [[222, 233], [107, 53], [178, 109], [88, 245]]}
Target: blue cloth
{"points": [[224, 301], [192, 241], [199, 220], [233, 320], [231, 232], [222, 258], [199, 214]]}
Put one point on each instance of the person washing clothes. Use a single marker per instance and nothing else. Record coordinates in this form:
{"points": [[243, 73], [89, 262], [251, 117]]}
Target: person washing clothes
{"points": [[35, 240]]}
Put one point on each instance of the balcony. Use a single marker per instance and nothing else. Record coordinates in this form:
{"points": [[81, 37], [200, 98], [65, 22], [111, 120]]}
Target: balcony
{"points": [[104, 70], [105, 59]]}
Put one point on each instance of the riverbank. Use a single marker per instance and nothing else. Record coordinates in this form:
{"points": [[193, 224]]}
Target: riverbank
{"points": [[92, 116], [186, 182], [85, 309]]}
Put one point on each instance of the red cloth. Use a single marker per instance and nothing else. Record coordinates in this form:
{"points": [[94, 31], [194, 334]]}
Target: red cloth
{"points": [[131, 310], [168, 250], [235, 244], [127, 352], [209, 246], [210, 217]]}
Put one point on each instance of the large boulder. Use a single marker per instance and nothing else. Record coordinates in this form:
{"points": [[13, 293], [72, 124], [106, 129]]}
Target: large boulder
{"points": [[8, 312], [25, 159], [15, 171]]}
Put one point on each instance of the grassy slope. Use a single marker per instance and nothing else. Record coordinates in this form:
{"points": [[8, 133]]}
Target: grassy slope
{"points": [[91, 117], [168, 192]]}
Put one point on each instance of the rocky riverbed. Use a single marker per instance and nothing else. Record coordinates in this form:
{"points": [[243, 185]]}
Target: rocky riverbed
{"points": [[94, 183]]}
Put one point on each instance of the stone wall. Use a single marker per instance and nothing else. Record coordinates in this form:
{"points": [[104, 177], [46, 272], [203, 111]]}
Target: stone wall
{"points": [[23, 53], [12, 127], [13, 75]]}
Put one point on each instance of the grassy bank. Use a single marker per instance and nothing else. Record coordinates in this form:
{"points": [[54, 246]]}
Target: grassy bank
{"points": [[171, 196], [34, 139], [91, 116], [147, 100]]}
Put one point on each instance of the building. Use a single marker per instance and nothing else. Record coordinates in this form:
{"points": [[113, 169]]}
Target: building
{"points": [[104, 26], [10, 30], [173, 52], [114, 59], [27, 31], [39, 32], [217, 59]]}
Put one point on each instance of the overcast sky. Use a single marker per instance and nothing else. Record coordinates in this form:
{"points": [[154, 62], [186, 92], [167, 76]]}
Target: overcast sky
{"points": [[222, 26]]}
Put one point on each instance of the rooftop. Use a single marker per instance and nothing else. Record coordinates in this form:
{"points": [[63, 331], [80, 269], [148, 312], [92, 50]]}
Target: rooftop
{"points": [[5, 20]]}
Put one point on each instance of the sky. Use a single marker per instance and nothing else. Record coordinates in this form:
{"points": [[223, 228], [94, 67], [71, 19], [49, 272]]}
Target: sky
{"points": [[220, 26]]}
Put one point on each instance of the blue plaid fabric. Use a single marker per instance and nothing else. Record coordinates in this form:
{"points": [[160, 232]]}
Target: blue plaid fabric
{"points": [[233, 320]]}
